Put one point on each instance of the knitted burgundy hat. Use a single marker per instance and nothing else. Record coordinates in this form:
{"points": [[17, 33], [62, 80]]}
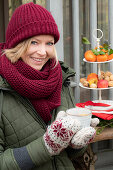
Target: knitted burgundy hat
{"points": [[29, 20]]}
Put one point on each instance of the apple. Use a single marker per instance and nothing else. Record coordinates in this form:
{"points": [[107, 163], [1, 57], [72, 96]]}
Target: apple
{"points": [[102, 84]]}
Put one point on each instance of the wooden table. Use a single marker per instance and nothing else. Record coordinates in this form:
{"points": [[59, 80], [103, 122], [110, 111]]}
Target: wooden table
{"points": [[106, 134]]}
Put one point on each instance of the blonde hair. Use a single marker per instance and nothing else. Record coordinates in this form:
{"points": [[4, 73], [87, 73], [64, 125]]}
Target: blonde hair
{"points": [[14, 54]]}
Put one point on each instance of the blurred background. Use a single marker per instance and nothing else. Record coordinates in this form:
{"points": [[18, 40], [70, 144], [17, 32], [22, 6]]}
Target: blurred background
{"points": [[76, 19]]}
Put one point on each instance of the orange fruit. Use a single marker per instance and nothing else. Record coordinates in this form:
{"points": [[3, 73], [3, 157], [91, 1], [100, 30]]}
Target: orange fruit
{"points": [[107, 54], [110, 57], [92, 75], [102, 58], [89, 56]]}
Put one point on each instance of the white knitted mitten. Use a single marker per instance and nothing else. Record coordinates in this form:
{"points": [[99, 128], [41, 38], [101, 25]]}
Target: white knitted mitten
{"points": [[59, 134], [83, 137], [61, 114], [94, 122]]}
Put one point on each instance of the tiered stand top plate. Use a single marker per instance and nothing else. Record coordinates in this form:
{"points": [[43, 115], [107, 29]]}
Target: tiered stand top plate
{"points": [[97, 62]]}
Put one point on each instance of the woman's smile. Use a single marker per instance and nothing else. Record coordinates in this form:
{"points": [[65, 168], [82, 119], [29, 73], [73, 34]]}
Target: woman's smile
{"points": [[40, 51], [37, 59]]}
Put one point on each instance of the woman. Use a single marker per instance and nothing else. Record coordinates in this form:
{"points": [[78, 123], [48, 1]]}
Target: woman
{"points": [[34, 93]]}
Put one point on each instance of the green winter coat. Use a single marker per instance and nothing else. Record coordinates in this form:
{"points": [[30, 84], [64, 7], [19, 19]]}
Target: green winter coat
{"points": [[22, 129]]}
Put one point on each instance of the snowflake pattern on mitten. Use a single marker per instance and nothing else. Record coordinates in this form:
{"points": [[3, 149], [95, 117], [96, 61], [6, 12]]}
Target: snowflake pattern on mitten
{"points": [[59, 134]]}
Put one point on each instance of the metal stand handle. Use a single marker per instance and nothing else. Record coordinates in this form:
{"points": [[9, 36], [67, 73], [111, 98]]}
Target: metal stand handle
{"points": [[98, 49]]}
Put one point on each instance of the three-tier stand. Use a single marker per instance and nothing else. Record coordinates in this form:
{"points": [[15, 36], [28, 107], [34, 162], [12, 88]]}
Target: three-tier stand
{"points": [[98, 68]]}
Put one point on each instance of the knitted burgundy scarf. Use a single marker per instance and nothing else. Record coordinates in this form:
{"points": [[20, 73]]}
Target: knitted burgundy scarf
{"points": [[42, 88]]}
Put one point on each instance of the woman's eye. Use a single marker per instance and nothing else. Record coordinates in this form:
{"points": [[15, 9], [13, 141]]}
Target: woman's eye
{"points": [[50, 43], [33, 42]]}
